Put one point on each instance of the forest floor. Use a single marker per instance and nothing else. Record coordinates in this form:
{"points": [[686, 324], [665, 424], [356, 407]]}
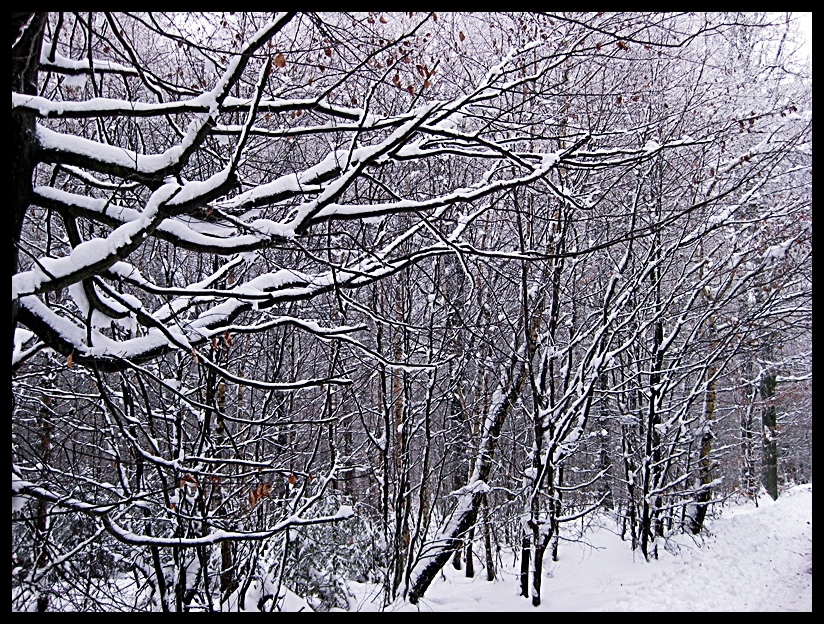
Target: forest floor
{"points": [[752, 559]]}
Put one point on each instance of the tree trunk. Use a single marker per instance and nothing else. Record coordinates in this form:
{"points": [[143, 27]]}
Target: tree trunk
{"points": [[525, 556], [604, 488], [470, 562], [704, 466], [466, 511], [456, 558], [490, 563], [651, 467], [769, 446], [538, 569], [227, 580], [27, 39]]}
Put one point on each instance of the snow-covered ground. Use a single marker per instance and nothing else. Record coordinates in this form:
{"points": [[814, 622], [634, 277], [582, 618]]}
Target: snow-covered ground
{"points": [[752, 559]]}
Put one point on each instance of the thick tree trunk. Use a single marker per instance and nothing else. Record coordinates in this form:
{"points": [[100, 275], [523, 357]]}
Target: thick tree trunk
{"points": [[227, 566], [704, 466], [490, 563], [538, 569], [525, 557], [26, 39], [769, 446], [652, 466], [438, 552], [470, 561], [604, 488]]}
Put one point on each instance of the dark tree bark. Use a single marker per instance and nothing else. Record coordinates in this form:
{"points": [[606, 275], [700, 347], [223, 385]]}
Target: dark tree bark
{"points": [[470, 561], [652, 456], [490, 563], [26, 39], [769, 447], [469, 503], [525, 555], [704, 465]]}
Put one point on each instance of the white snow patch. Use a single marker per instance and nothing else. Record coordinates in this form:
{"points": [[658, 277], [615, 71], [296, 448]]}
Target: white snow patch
{"points": [[778, 251], [753, 559], [651, 146]]}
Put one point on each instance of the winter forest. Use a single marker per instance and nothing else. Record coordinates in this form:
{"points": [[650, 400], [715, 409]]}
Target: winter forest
{"points": [[306, 304]]}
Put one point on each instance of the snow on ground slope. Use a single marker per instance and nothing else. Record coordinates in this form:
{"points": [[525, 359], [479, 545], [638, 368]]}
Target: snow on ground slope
{"points": [[753, 559]]}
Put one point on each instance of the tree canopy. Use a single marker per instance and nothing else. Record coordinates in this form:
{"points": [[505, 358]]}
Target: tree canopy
{"points": [[303, 297]]}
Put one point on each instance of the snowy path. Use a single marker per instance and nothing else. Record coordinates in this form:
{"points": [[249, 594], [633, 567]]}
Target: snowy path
{"points": [[757, 560], [753, 560]]}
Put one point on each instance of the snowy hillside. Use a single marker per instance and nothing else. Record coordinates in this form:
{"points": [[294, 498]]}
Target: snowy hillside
{"points": [[755, 559]]}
